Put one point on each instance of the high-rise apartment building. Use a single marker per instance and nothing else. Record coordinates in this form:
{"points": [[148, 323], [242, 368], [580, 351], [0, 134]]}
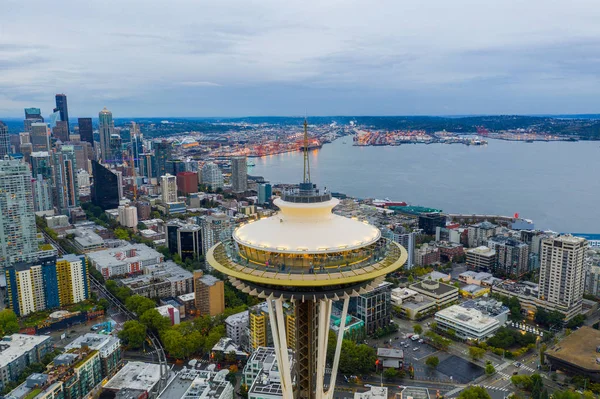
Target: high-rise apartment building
{"points": [[512, 255], [40, 139], [562, 274], [210, 294], [86, 130], [46, 283], [168, 185], [18, 239], [212, 176], [65, 179], [42, 194], [216, 227], [4, 140], [41, 164], [162, 153], [105, 191], [106, 128], [480, 232], [61, 107], [239, 174], [128, 216]]}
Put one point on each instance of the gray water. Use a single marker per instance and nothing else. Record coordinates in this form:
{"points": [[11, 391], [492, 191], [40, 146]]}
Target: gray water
{"points": [[556, 183]]}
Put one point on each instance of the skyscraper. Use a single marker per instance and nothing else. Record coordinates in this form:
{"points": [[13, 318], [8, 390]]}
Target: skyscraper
{"points": [[61, 106], [265, 192], [40, 140], [42, 194], [162, 153], [239, 174], [4, 140], [61, 131], [65, 179], [18, 239], [105, 191], [106, 128], [137, 147], [41, 164], [116, 149], [86, 130], [168, 185], [562, 274], [32, 115]]}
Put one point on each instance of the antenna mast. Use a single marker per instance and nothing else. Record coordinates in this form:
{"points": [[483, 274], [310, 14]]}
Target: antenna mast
{"points": [[306, 163]]}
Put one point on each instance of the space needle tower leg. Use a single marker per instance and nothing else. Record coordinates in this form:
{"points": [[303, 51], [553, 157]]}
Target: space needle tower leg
{"points": [[338, 349], [278, 331]]}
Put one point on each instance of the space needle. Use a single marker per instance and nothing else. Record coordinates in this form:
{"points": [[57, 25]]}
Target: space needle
{"points": [[310, 257]]}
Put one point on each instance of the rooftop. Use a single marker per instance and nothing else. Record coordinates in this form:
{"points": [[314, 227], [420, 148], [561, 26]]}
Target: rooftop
{"points": [[92, 341], [434, 287], [237, 318], [482, 250], [192, 384], [165, 271], [127, 254], [468, 316], [135, 375], [373, 393], [579, 349], [415, 393], [13, 346]]}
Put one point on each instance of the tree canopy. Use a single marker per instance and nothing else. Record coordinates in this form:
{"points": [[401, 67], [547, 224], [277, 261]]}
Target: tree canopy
{"points": [[9, 323], [133, 334], [474, 392], [506, 337]]}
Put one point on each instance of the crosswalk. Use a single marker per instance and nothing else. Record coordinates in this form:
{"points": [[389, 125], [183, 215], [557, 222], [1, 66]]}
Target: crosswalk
{"points": [[528, 368], [504, 375]]}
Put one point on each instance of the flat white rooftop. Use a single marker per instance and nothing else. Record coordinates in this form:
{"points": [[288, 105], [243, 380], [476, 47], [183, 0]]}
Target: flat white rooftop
{"points": [[470, 317], [135, 375], [13, 346]]}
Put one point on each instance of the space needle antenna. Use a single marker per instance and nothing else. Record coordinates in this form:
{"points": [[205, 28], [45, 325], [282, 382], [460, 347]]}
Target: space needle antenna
{"points": [[306, 162]]}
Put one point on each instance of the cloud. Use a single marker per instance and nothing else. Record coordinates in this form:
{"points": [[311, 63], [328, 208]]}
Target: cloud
{"points": [[199, 84], [370, 57]]}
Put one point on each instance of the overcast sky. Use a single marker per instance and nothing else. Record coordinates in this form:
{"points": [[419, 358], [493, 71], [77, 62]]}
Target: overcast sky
{"points": [[283, 57]]}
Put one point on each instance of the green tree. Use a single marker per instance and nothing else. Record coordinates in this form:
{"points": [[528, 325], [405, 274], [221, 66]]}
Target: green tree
{"points": [[432, 361], [474, 392], [433, 326], [576, 321], [174, 343], [156, 322], [476, 353], [522, 381], [390, 373], [122, 234], [565, 395], [418, 329], [489, 369], [141, 226], [139, 304], [543, 353], [9, 323], [133, 334]]}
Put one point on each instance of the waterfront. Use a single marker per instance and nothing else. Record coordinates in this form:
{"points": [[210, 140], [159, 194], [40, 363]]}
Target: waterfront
{"points": [[553, 183]]}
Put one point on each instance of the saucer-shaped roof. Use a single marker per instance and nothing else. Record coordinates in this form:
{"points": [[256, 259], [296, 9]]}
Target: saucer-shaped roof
{"points": [[306, 228]]}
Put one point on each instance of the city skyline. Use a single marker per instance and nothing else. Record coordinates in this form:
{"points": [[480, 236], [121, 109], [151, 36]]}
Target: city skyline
{"points": [[323, 59]]}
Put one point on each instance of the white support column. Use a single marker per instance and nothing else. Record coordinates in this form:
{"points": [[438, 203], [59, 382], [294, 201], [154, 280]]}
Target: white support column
{"points": [[323, 335], [338, 348], [280, 343]]}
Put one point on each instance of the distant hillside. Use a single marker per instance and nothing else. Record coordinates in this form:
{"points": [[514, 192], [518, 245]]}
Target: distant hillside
{"points": [[586, 127]]}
